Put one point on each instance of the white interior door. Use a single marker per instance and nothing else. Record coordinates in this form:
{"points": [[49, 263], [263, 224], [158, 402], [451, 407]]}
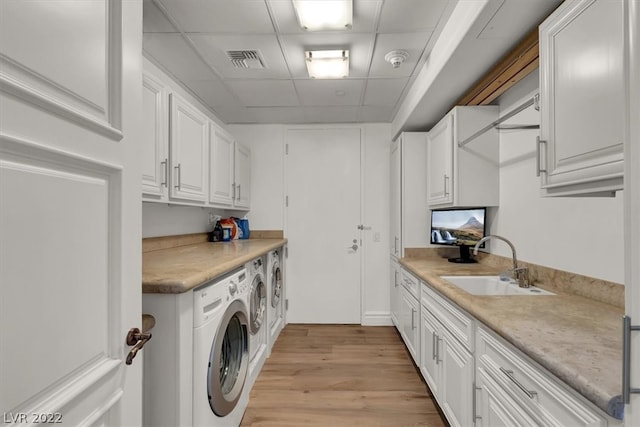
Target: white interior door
{"points": [[70, 233], [323, 214]]}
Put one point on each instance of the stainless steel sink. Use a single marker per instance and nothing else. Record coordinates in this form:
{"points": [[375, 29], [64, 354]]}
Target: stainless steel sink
{"points": [[492, 285]]}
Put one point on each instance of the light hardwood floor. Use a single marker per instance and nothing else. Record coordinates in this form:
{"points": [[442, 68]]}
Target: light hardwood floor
{"points": [[340, 375]]}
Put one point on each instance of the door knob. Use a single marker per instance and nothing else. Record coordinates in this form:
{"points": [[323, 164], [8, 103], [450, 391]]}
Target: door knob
{"points": [[137, 339], [354, 247]]}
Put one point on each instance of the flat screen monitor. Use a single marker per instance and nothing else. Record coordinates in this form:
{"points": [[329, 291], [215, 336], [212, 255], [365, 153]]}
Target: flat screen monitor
{"points": [[458, 227]]}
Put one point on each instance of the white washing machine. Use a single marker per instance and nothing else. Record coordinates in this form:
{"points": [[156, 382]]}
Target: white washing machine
{"points": [[220, 351], [276, 303], [258, 325], [196, 369]]}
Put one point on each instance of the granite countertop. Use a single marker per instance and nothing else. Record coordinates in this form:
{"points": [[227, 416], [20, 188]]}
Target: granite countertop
{"points": [[179, 269], [578, 339]]}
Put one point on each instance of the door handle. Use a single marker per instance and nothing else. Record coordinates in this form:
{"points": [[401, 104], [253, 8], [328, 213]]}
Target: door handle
{"points": [[137, 339]]}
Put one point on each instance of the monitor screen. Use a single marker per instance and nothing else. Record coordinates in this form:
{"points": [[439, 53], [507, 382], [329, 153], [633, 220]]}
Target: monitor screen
{"points": [[458, 227]]}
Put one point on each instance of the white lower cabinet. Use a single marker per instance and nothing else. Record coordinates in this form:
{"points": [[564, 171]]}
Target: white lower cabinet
{"points": [[446, 364], [523, 391], [409, 322], [479, 379], [395, 289]]}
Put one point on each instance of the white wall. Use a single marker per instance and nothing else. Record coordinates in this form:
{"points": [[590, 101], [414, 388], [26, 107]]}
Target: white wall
{"points": [[268, 195], [579, 235]]}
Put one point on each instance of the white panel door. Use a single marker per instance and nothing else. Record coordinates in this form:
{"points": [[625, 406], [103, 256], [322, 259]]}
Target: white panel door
{"points": [[324, 193], [70, 234]]}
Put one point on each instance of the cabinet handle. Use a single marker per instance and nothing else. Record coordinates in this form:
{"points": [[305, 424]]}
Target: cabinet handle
{"points": [[178, 176], [434, 344], [446, 182], [438, 360], [165, 171], [233, 191], [413, 325], [395, 244], [395, 278], [627, 328], [239, 191], [538, 152], [511, 376], [474, 390]]}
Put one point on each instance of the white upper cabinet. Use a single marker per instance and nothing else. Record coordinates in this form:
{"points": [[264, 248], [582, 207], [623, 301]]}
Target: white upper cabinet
{"points": [[242, 176], [582, 98], [155, 139], [409, 227], [221, 168], [230, 171], [189, 141], [460, 172]]}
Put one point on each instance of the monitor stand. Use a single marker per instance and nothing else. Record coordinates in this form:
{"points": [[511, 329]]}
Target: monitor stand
{"points": [[465, 256]]}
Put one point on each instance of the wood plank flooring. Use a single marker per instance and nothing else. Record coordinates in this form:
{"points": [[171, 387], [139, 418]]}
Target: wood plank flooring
{"points": [[340, 375]]}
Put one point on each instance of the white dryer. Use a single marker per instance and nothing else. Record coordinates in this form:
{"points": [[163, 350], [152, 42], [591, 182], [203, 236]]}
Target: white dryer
{"points": [[220, 351], [258, 325], [276, 304]]}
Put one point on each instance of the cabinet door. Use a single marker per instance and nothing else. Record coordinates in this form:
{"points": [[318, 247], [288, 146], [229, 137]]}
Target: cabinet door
{"points": [[428, 357], [189, 140], [154, 139], [396, 201], [395, 292], [221, 167], [582, 98], [410, 315], [456, 389], [494, 407], [243, 176], [440, 162]]}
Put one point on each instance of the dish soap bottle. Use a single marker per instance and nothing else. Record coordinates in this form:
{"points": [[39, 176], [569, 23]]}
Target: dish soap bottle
{"points": [[216, 234]]}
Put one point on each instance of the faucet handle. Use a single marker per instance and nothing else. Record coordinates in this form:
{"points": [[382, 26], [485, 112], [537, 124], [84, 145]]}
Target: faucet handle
{"points": [[521, 274]]}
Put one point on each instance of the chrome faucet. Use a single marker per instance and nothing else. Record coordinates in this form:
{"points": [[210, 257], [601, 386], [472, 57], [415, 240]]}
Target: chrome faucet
{"points": [[520, 274]]}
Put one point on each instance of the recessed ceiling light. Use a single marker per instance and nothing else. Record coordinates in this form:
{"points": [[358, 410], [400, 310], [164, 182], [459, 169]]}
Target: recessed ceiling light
{"points": [[327, 64], [318, 15]]}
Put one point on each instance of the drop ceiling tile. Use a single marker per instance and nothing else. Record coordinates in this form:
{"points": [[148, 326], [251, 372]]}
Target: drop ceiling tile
{"points": [[412, 43], [411, 15], [360, 46], [220, 16], [517, 17], [288, 115], [384, 92], [265, 93], [235, 114], [154, 21], [213, 49], [176, 56], [330, 91], [331, 114], [213, 93], [375, 114], [365, 16]]}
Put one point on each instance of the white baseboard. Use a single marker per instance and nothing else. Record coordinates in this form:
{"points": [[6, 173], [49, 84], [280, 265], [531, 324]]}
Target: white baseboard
{"points": [[377, 318]]}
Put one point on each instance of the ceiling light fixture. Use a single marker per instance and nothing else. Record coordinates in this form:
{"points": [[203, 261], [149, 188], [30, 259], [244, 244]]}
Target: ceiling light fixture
{"points": [[318, 15], [327, 64], [396, 58]]}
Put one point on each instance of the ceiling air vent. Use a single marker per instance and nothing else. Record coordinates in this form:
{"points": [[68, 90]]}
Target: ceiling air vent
{"points": [[245, 59]]}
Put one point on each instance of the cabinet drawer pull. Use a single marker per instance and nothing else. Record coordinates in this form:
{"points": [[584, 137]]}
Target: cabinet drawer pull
{"points": [[395, 278], [165, 171], [474, 390], [509, 374], [239, 188], [538, 151], [434, 343], [438, 360], [178, 176]]}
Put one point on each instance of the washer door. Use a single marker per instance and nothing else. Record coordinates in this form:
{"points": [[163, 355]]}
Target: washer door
{"points": [[276, 284], [258, 303], [228, 360]]}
